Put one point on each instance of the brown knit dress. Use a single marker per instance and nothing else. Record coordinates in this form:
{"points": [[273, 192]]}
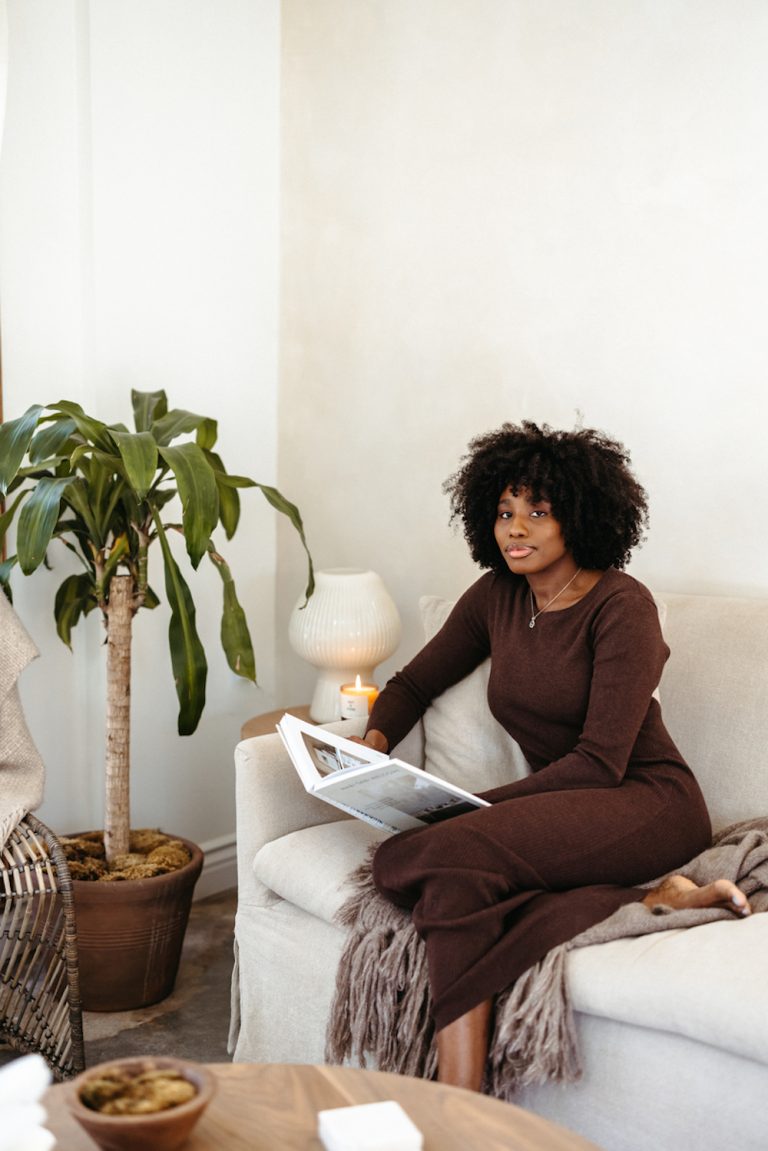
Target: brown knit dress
{"points": [[609, 803]]}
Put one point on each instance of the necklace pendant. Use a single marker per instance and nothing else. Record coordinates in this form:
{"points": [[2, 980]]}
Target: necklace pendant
{"points": [[533, 622]]}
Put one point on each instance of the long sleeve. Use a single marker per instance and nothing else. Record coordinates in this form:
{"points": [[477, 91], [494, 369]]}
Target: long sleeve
{"points": [[461, 644]]}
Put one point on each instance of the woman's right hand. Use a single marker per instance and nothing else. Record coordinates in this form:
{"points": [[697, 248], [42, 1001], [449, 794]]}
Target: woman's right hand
{"points": [[373, 738]]}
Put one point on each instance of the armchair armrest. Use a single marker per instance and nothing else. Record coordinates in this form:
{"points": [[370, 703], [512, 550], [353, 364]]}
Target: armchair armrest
{"points": [[271, 800]]}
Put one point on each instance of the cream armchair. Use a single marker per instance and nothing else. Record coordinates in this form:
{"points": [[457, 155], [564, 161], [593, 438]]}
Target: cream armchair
{"points": [[673, 1027]]}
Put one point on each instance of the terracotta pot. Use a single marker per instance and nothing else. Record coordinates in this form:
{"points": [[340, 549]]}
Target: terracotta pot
{"points": [[130, 934]]}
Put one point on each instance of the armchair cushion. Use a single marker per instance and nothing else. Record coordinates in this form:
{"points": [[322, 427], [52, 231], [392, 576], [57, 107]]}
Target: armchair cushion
{"points": [[463, 743], [311, 867]]}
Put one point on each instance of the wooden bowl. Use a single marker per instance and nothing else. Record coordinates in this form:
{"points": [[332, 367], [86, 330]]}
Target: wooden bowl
{"points": [[159, 1130]]}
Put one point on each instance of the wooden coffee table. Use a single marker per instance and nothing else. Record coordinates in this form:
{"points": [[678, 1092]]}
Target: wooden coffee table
{"points": [[271, 1106]]}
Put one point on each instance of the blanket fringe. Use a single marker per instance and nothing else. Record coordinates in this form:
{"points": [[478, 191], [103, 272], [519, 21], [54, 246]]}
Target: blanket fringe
{"points": [[381, 1003], [534, 1038], [381, 1008]]}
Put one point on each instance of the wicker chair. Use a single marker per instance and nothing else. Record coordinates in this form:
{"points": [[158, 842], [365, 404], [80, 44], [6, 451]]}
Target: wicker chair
{"points": [[40, 1007]]}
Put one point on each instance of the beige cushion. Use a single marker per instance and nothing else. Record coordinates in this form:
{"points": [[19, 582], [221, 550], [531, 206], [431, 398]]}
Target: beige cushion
{"points": [[714, 695], [462, 741], [311, 867], [707, 982]]}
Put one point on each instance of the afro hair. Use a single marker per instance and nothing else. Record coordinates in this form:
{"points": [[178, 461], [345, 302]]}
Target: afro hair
{"points": [[601, 508]]}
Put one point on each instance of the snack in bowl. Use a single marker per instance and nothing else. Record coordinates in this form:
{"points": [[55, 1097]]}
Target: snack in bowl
{"points": [[137, 1103]]}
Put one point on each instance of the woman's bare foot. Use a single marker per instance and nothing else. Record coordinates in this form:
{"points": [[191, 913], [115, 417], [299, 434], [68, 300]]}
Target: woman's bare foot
{"points": [[679, 893]]}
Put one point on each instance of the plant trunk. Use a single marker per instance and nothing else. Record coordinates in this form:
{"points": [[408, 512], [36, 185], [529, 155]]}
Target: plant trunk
{"points": [[117, 809]]}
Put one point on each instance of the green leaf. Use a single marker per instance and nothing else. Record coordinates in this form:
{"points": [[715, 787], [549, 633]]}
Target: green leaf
{"points": [[147, 407], [199, 496], [6, 567], [150, 599], [235, 636], [163, 496], [52, 440], [38, 519], [178, 422], [120, 493], [105, 488], [278, 501], [6, 519], [80, 457], [139, 454], [78, 498], [229, 509], [207, 434], [80, 549], [15, 437], [94, 431], [188, 661], [236, 481], [74, 598], [229, 500]]}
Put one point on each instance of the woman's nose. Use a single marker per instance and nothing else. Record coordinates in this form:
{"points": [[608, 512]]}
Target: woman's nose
{"points": [[517, 526]]}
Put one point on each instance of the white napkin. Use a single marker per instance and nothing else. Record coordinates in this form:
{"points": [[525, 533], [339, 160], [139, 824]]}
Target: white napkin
{"points": [[22, 1116], [368, 1127]]}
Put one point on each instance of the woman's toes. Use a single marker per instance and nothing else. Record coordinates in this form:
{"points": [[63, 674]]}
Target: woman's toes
{"points": [[681, 893], [741, 903]]}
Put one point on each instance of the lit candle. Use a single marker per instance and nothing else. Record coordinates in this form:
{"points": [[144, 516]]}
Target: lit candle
{"points": [[356, 699]]}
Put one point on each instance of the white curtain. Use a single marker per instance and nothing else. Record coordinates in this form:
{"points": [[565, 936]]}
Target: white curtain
{"points": [[3, 64], [3, 88]]}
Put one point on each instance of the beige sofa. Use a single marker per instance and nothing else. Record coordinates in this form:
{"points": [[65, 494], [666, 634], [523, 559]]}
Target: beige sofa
{"points": [[673, 1026]]}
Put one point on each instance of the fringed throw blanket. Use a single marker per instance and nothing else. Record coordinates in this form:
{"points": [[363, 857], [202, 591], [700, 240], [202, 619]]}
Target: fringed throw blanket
{"points": [[21, 768], [381, 1004]]}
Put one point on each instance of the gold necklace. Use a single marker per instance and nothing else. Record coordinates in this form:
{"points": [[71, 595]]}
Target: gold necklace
{"points": [[535, 614]]}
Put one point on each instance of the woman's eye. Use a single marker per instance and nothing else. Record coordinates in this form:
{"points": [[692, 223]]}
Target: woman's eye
{"points": [[505, 515], [537, 512]]}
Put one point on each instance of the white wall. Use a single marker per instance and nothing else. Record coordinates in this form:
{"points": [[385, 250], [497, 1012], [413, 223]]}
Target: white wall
{"points": [[139, 213], [491, 209], [523, 208]]}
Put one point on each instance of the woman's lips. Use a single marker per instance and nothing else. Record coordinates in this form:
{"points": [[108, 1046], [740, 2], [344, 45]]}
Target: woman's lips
{"points": [[518, 553]]}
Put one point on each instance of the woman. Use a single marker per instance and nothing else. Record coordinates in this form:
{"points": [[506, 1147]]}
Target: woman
{"points": [[576, 654]]}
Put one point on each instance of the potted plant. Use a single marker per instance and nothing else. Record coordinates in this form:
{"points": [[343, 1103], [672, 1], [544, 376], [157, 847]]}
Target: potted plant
{"points": [[109, 494]]}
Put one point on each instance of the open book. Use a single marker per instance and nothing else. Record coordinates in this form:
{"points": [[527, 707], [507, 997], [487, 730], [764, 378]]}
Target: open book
{"points": [[387, 793]]}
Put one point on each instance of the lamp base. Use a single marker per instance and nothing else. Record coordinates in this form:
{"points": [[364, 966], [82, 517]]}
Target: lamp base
{"points": [[326, 704]]}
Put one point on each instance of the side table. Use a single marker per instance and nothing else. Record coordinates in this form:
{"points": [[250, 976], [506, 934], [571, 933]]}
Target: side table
{"points": [[265, 723]]}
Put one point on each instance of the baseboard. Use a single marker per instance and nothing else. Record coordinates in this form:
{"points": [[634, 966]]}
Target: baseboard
{"points": [[219, 868]]}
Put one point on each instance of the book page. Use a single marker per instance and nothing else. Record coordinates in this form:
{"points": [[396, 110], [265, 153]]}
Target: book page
{"points": [[394, 790], [327, 758], [385, 792], [317, 753]]}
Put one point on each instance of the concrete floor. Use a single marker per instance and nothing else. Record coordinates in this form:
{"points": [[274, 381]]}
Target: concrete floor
{"points": [[193, 1022]]}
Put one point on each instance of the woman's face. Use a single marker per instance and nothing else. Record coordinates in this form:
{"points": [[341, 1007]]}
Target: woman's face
{"points": [[529, 536]]}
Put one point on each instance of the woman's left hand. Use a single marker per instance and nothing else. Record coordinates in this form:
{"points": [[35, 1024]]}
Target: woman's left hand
{"points": [[373, 738]]}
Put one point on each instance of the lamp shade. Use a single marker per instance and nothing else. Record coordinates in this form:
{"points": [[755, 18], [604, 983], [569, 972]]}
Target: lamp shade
{"points": [[349, 625]]}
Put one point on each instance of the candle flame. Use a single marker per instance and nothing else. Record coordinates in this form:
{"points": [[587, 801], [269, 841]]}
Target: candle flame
{"points": [[358, 683]]}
